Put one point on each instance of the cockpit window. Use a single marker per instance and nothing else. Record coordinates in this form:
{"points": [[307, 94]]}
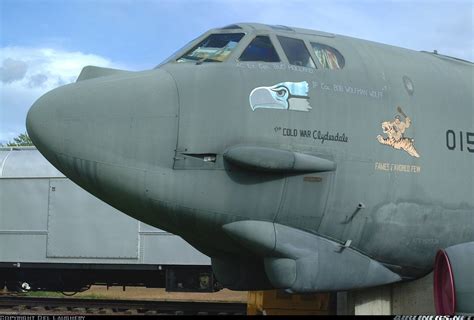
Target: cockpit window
{"points": [[215, 48], [296, 52], [327, 56], [260, 49]]}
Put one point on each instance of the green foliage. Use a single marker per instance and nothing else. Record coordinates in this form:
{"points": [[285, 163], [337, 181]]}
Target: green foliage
{"points": [[22, 140], [47, 294]]}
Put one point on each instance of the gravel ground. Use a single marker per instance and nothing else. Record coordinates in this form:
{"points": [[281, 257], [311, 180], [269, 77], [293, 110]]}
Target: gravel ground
{"points": [[160, 294]]}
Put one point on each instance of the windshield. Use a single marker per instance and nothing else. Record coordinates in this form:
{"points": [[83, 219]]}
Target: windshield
{"points": [[215, 48], [260, 49]]}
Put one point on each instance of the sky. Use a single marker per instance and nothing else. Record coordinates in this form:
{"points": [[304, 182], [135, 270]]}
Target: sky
{"points": [[45, 43]]}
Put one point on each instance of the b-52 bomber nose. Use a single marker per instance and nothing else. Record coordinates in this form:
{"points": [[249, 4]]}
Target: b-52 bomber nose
{"points": [[39, 128], [44, 125], [286, 168], [90, 129]]}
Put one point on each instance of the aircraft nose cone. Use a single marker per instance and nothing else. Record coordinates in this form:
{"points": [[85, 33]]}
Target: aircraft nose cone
{"points": [[42, 124], [98, 129]]}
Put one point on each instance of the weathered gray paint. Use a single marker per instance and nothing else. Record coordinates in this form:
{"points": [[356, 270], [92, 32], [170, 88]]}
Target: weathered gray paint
{"points": [[135, 140], [276, 160], [303, 262]]}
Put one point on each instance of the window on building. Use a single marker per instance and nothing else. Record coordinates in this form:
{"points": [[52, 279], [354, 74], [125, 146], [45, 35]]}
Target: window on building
{"points": [[260, 49], [215, 48], [296, 52], [328, 57]]}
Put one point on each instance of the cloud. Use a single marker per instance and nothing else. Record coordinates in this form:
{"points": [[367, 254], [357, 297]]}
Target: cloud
{"points": [[12, 70], [28, 73], [38, 80]]}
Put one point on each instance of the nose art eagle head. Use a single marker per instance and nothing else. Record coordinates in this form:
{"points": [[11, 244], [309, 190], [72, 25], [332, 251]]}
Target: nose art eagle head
{"points": [[283, 96]]}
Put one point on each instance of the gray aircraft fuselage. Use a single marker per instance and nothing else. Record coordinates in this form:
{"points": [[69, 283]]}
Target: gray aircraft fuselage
{"points": [[377, 155]]}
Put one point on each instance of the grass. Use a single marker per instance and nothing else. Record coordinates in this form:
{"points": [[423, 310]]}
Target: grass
{"points": [[45, 294]]}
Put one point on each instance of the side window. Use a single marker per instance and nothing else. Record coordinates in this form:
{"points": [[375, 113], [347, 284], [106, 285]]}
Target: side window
{"points": [[328, 57], [260, 49], [296, 52]]}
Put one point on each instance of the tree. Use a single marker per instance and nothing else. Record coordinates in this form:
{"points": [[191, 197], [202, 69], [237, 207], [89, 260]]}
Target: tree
{"points": [[22, 140]]}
